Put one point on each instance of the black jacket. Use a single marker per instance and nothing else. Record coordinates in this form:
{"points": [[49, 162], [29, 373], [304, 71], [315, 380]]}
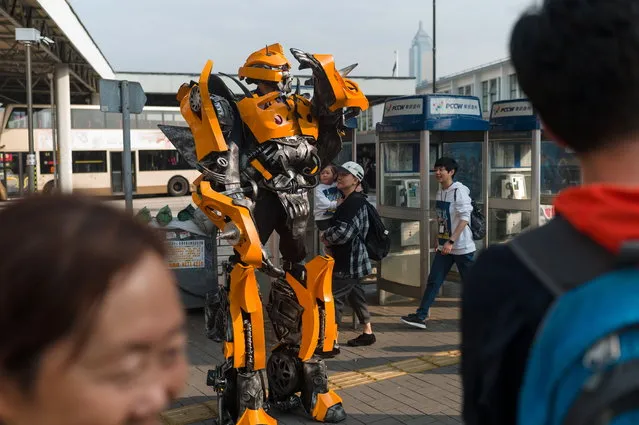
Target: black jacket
{"points": [[502, 306]]}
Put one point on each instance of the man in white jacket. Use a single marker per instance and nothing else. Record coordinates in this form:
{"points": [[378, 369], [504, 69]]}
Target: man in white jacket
{"points": [[454, 243]]}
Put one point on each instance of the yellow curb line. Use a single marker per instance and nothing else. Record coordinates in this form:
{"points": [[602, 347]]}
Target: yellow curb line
{"points": [[198, 412]]}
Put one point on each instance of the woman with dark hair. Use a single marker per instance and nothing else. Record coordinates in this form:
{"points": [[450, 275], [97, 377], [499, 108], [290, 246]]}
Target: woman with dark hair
{"points": [[91, 325]]}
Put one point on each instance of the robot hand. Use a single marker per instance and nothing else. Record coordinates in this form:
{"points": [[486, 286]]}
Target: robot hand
{"points": [[269, 268], [351, 112], [323, 95], [307, 60]]}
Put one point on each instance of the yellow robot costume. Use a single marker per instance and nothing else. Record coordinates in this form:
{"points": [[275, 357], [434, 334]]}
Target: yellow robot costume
{"points": [[259, 154]]}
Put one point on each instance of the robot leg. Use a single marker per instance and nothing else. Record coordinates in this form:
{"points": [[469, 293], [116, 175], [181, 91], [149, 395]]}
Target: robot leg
{"points": [[240, 382], [302, 312], [322, 404]]}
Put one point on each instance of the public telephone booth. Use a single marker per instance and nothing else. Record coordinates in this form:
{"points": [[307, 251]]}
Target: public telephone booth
{"points": [[525, 171], [414, 132]]}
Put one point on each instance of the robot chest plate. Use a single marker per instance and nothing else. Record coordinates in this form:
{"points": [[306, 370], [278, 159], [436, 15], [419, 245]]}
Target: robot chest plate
{"points": [[277, 118]]}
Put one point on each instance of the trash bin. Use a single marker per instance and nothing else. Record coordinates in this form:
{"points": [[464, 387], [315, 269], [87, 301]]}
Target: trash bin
{"points": [[192, 257]]}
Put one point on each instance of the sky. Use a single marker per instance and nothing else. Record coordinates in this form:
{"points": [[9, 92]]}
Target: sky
{"points": [[180, 35]]}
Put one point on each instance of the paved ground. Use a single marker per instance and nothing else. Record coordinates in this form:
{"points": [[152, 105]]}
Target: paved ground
{"points": [[416, 388]]}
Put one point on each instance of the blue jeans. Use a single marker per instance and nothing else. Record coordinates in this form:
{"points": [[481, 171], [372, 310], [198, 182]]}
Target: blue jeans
{"points": [[438, 271]]}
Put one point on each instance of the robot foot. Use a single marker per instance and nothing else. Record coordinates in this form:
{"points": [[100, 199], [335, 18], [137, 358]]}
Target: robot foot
{"points": [[256, 417], [251, 391], [328, 408], [322, 404]]}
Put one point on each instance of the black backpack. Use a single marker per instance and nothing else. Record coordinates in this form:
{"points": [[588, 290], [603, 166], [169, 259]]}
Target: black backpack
{"points": [[377, 239], [477, 221]]}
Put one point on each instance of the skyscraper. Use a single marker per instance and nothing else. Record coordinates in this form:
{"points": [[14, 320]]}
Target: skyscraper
{"points": [[421, 55]]}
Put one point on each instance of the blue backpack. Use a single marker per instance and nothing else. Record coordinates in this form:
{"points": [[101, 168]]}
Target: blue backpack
{"points": [[583, 366]]}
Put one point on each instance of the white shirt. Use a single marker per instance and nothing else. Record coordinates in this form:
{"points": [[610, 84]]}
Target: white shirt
{"points": [[325, 201], [452, 206]]}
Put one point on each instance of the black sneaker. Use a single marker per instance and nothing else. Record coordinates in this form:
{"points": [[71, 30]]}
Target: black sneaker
{"points": [[363, 339], [328, 354], [413, 320]]}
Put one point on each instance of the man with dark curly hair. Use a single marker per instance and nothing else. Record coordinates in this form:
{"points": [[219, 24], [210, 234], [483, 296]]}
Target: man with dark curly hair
{"points": [[578, 62]]}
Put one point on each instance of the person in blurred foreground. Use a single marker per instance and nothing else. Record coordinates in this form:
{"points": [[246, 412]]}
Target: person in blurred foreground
{"points": [[578, 62], [91, 324]]}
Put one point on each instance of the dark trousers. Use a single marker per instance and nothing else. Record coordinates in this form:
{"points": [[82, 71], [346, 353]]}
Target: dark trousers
{"points": [[269, 215], [323, 224], [351, 290], [438, 271]]}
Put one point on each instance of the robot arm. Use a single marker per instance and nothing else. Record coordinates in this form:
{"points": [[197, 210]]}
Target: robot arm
{"points": [[211, 120], [332, 91], [335, 99], [209, 146]]}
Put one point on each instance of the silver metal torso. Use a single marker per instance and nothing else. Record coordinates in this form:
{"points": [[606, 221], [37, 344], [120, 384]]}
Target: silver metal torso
{"points": [[293, 168]]}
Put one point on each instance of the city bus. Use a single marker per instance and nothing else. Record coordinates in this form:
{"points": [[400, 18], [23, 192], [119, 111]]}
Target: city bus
{"points": [[96, 143]]}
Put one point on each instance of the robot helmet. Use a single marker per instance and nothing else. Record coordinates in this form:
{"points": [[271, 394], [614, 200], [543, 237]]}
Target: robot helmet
{"points": [[268, 65]]}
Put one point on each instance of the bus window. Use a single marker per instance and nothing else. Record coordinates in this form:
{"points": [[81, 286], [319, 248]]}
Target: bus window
{"points": [[149, 120], [42, 118], [161, 160], [12, 162], [174, 118], [87, 118], [18, 118], [114, 121], [89, 161], [46, 162]]}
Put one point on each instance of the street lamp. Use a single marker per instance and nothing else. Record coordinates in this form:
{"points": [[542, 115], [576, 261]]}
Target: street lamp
{"points": [[434, 44], [29, 36]]}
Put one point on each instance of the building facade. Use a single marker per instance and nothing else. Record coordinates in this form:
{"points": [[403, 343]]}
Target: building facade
{"points": [[491, 82]]}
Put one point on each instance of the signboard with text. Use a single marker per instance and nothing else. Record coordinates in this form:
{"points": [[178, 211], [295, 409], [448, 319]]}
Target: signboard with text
{"points": [[431, 112], [449, 105], [186, 254], [521, 108], [411, 106]]}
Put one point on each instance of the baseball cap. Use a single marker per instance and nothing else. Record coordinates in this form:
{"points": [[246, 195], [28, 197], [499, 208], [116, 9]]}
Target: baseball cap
{"points": [[352, 167]]}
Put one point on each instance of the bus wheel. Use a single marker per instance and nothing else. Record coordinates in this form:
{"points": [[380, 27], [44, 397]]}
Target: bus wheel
{"points": [[178, 186], [49, 187]]}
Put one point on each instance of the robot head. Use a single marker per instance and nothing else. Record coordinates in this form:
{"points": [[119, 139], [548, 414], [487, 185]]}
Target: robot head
{"points": [[269, 66]]}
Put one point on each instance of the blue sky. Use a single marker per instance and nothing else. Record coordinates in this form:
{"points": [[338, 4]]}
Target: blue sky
{"points": [[179, 36]]}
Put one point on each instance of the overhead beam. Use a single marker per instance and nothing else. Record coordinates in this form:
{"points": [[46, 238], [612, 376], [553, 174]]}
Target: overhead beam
{"points": [[16, 90], [36, 63], [10, 99]]}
